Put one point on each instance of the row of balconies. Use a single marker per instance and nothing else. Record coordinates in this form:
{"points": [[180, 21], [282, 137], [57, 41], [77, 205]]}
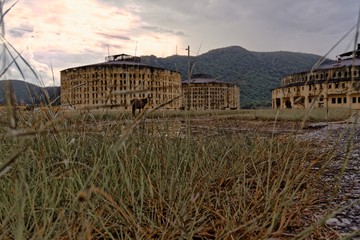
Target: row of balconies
{"points": [[127, 96], [122, 83], [343, 73], [331, 88], [120, 76]]}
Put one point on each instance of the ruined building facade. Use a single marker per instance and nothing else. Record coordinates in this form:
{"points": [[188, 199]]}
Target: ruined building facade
{"points": [[117, 81], [332, 85], [202, 92]]}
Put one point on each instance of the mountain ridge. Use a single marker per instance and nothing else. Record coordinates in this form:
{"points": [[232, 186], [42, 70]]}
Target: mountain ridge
{"points": [[256, 73], [29, 94]]}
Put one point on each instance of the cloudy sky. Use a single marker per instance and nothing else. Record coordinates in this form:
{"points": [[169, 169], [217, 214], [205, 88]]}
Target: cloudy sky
{"points": [[53, 35]]}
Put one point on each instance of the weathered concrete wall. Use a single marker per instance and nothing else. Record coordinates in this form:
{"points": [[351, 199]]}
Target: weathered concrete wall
{"points": [[106, 84], [210, 96], [332, 88]]}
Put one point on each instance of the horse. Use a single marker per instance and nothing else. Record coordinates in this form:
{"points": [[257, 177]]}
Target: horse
{"points": [[138, 104]]}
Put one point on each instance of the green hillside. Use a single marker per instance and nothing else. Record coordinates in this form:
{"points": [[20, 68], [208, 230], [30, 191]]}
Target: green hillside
{"points": [[27, 93], [255, 72]]}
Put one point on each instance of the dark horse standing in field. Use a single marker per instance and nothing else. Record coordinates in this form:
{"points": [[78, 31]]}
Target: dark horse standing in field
{"points": [[138, 104]]}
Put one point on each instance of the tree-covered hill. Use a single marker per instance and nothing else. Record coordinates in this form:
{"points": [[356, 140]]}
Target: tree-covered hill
{"points": [[255, 72], [28, 94]]}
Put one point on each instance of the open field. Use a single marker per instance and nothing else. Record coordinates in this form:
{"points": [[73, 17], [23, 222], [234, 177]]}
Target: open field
{"points": [[314, 115], [95, 174]]}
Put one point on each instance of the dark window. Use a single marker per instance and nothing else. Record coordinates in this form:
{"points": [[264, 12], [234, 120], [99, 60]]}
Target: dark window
{"points": [[354, 100], [339, 100], [345, 100], [336, 85]]}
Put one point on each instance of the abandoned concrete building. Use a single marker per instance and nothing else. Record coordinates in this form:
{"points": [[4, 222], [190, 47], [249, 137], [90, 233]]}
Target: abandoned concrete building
{"points": [[117, 81], [331, 85], [203, 92]]}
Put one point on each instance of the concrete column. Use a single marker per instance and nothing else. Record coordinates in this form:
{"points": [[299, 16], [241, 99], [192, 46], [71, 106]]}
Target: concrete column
{"points": [[292, 102], [306, 102], [326, 101]]}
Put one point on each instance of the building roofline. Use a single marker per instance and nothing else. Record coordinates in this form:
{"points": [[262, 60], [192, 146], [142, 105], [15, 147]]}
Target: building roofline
{"points": [[119, 60], [205, 81]]}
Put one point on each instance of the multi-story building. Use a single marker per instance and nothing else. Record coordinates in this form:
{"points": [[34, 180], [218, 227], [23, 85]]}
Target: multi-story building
{"points": [[117, 81], [204, 92], [331, 85]]}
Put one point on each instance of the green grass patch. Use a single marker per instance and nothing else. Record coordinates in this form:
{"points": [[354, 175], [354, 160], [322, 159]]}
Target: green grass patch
{"points": [[314, 115], [76, 178]]}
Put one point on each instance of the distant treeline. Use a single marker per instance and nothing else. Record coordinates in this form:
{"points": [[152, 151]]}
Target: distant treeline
{"points": [[255, 72], [24, 93]]}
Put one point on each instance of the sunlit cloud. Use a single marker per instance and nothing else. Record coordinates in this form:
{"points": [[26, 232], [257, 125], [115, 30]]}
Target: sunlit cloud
{"points": [[69, 33], [48, 30]]}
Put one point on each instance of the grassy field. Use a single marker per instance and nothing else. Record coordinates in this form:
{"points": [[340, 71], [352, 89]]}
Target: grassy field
{"points": [[313, 115], [99, 175]]}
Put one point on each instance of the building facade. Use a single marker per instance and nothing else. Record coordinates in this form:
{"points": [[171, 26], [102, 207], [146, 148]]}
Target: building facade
{"points": [[202, 92], [117, 81], [332, 85]]}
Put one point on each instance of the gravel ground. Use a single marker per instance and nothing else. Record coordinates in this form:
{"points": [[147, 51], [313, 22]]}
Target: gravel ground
{"points": [[344, 138]]}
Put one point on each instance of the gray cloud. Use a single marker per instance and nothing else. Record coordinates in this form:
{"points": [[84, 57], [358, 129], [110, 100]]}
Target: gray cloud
{"points": [[20, 30], [114, 36], [179, 33], [16, 33], [258, 25], [311, 26], [59, 60], [163, 30]]}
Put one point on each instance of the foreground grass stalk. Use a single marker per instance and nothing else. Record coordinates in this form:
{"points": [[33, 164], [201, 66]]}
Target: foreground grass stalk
{"points": [[88, 177]]}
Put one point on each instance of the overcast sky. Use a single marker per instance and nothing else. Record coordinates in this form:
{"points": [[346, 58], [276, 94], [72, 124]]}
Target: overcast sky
{"points": [[70, 33]]}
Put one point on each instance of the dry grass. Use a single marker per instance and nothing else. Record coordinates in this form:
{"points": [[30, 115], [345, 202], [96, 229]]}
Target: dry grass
{"points": [[71, 177], [315, 115], [90, 174]]}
